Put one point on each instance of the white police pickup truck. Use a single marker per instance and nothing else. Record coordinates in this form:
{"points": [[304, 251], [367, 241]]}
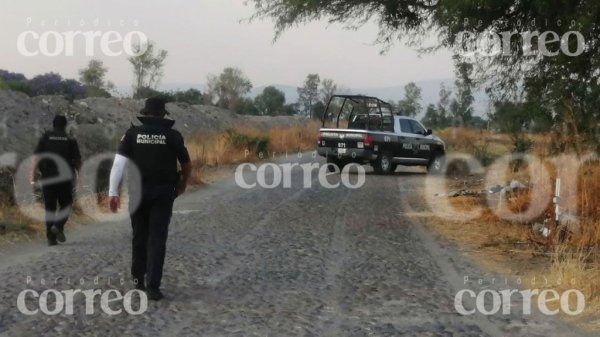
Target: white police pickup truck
{"points": [[372, 134]]}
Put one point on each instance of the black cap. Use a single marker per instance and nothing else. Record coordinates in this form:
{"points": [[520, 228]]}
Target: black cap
{"points": [[59, 122], [155, 106]]}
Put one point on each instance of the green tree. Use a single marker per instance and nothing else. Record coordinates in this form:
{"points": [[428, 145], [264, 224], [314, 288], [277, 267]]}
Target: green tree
{"points": [[146, 92], [309, 93], [431, 118], [317, 110], [270, 102], [147, 67], [93, 77], [190, 96], [478, 122], [246, 106], [410, 106], [290, 109], [510, 117], [461, 107], [328, 89], [229, 88], [443, 107]]}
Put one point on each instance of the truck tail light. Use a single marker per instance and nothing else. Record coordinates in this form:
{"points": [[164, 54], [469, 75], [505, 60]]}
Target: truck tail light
{"points": [[368, 140], [319, 138]]}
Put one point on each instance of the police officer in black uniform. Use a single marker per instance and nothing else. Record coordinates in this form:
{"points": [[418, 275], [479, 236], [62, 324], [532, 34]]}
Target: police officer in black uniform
{"points": [[154, 148], [54, 151]]}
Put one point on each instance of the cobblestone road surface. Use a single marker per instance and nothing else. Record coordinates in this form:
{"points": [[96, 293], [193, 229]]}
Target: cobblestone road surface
{"points": [[270, 262]]}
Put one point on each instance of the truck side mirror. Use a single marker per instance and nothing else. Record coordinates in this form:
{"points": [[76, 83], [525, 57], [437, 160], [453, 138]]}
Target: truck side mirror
{"points": [[429, 132]]}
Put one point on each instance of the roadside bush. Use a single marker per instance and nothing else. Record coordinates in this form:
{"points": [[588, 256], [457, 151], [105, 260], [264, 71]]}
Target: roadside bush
{"points": [[458, 168], [255, 144], [8, 76], [190, 96], [45, 84], [54, 84], [97, 92], [483, 154], [146, 92], [19, 86], [522, 144], [72, 89]]}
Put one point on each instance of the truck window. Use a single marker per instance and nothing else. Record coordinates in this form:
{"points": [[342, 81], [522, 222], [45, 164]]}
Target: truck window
{"points": [[405, 126], [417, 128]]}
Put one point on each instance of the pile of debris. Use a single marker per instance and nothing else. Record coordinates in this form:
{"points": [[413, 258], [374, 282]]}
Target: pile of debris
{"points": [[556, 231], [513, 186]]}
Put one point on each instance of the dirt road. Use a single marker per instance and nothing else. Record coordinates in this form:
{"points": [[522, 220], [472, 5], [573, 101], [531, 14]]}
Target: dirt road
{"points": [[272, 262]]}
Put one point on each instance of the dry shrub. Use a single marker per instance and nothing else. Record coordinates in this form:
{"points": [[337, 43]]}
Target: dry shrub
{"points": [[589, 187], [464, 140], [484, 145], [577, 269], [294, 139], [14, 224]]}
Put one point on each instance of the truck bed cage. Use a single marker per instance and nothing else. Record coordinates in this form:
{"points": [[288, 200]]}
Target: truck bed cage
{"points": [[367, 113]]}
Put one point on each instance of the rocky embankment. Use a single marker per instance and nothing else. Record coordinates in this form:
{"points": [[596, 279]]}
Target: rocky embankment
{"points": [[99, 122]]}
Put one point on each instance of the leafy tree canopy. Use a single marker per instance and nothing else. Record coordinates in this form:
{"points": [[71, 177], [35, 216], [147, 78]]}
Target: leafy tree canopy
{"points": [[270, 102], [229, 87], [566, 82]]}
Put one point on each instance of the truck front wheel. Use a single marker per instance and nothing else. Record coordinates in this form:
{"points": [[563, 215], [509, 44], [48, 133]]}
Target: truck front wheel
{"points": [[436, 164]]}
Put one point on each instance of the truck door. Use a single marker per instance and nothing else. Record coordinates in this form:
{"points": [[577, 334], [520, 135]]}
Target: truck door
{"points": [[409, 145], [424, 144]]}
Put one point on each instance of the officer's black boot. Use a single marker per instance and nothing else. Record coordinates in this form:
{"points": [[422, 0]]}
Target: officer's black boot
{"points": [[50, 235], [60, 235], [154, 294]]}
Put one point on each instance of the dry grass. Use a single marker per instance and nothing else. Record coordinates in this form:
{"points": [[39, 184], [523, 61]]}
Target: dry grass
{"points": [[15, 225], [210, 151], [467, 140], [512, 248]]}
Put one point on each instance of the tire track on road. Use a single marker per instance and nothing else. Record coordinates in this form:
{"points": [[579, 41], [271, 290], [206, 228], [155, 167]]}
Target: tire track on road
{"points": [[333, 315], [244, 244]]}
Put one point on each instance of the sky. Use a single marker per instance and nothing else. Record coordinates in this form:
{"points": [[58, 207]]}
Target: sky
{"points": [[203, 37]]}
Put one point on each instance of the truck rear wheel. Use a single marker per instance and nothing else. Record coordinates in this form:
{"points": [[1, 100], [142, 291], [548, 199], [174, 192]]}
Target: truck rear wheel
{"points": [[335, 161], [383, 164]]}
